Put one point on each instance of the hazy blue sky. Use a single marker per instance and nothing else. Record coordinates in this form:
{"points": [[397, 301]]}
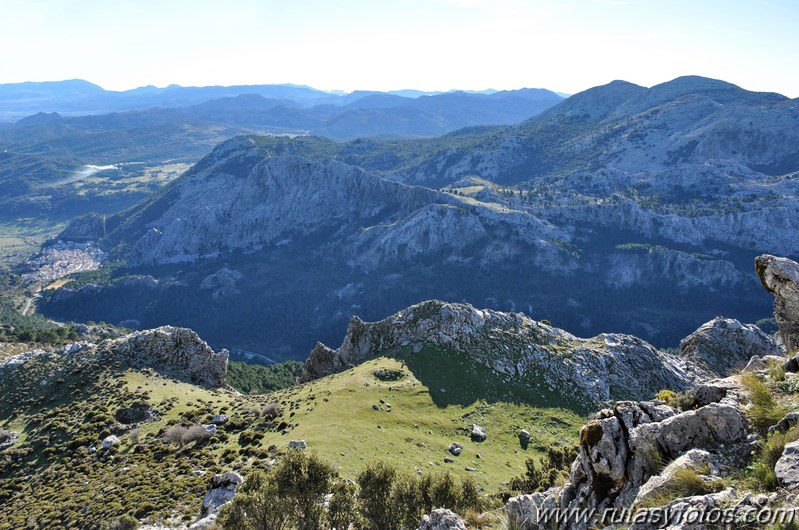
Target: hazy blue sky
{"points": [[427, 44]]}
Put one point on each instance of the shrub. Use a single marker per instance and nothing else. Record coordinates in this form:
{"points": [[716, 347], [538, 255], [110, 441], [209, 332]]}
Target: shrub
{"points": [[540, 477], [196, 433], [681, 401], [289, 497], [374, 489], [126, 522], [270, 410], [776, 372], [176, 434], [343, 507], [256, 506]]}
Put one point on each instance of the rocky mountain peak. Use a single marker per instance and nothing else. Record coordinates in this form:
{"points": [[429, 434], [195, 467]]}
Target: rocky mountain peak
{"points": [[587, 371], [177, 352]]}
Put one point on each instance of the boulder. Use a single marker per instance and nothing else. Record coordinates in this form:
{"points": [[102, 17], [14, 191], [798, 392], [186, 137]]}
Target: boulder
{"points": [[455, 448], [226, 479], [210, 428], [223, 489], [297, 444], [780, 276], [478, 434], [786, 423], [219, 419], [759, 364], [7, 438], [724, 344], [787, 468], [110, 441], [441, 519]]}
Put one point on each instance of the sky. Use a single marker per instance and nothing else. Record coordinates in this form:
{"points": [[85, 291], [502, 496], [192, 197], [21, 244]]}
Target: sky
{"points": [[562, 45]]}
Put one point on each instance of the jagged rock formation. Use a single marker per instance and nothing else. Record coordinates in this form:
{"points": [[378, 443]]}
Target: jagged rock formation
{"points": [[724, 344], [587, 371], [618, 447], [780, 276], [177, 352]]}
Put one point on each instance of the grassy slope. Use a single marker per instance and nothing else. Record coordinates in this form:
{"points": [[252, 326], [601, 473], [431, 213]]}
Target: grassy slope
{"points": [[334, 415]]}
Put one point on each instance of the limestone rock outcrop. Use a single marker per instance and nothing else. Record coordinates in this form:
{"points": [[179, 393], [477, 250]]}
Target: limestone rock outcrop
{"points": [[724, 344], [780, 276], [590, 371], [620, 449], [177, 352], [787, 468], [441, 519], [223, 489]]}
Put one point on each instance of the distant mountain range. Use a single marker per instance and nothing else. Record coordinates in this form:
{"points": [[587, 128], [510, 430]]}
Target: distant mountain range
{"points": [[145, 132], [620, 209]]}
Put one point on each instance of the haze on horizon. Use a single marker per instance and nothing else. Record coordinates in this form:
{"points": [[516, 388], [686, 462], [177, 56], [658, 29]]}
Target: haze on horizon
{"points": [[388, 45]]}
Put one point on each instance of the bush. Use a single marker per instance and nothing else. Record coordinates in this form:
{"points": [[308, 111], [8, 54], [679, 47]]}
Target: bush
{"points": [[126, 522], [681, 401], [343, 507], [289, 497], [540, 477], [181, 435], [196, 433], [374, 490], [176, 434], [271, 410]]}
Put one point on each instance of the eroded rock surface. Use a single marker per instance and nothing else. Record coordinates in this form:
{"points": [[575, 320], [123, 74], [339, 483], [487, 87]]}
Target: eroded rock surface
{"points": [[780, 276], [724, 344], [178, 352], [587, 371]]}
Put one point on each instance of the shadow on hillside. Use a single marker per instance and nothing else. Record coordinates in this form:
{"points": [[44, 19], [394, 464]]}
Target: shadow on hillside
{"points": [[453, 378]]}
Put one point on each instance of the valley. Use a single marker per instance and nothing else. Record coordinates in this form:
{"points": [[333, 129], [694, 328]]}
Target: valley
{"points": [[494, 286]]}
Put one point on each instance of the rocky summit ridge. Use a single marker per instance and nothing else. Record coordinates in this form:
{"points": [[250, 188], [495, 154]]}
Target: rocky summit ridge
{"points": [[583, 371], [174, 352]]}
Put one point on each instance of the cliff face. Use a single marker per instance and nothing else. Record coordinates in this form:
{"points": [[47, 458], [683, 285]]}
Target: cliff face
{"points": [[583, 371]]}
